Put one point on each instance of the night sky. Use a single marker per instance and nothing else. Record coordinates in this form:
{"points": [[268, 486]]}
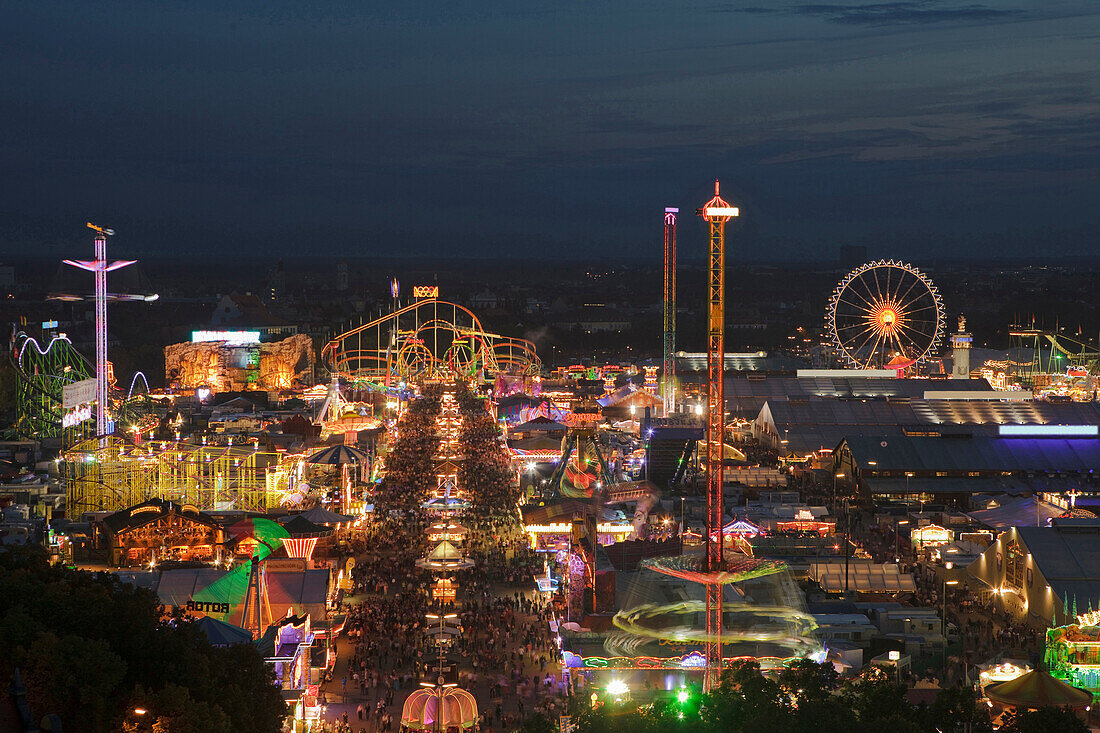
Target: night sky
{"points": [[504, 128]]}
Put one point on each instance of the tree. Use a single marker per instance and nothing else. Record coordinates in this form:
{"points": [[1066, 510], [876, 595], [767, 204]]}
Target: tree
{"points": [[92, 648]]}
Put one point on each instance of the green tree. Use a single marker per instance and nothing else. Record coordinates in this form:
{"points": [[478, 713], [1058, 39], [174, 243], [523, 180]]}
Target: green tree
{"points": [[91, 647]]}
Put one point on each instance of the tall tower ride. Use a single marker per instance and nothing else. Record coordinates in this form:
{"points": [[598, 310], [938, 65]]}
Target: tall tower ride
{"points": [[100, 267], [716, 212], [668, 375]]}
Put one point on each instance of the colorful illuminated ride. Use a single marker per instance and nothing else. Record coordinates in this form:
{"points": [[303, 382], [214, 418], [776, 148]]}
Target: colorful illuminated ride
{"points": [[430, 339], [114, 474], [43, 372], [885, 315]]}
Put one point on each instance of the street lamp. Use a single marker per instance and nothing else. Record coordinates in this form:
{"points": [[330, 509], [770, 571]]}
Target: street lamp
{"points": [[835, 477], [943, 605], [681, 515], [897, 537], [439, 685]]}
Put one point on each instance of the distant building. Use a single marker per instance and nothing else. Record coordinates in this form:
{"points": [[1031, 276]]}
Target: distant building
{"points": [[248, 313], [1044, 575]]}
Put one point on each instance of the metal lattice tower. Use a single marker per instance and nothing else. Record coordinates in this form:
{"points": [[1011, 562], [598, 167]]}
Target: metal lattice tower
{"points": [[100, 267], [716, 212], [668, 386]]}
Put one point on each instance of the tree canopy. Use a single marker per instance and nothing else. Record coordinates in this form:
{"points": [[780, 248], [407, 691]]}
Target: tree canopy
{"points": [[92, 649], [810, 698]]}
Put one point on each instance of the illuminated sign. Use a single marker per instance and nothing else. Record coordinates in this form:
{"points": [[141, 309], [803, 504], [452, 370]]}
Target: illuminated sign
{"points": [[425, 291], [1048, 431], [49, 324], [77, 416], [78, 393], [231, 338], [715, 211]]}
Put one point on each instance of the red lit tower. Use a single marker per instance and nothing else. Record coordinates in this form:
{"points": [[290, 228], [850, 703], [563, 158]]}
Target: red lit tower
{"points": [[668, 386], [716, 212]]}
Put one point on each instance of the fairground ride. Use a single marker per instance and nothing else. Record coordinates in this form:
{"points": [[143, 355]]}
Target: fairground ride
{"points": [[42, 374], [428, 340], [117, 475], [885, 315]]}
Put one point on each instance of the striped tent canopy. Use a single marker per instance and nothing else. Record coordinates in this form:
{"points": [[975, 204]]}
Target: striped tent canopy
{"points": [[1037, 689], [338, 455]]}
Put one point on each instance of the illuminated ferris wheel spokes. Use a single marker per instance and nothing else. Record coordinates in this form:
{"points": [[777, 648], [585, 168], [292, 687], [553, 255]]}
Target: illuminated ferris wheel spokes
{"points": [[885, 314]]}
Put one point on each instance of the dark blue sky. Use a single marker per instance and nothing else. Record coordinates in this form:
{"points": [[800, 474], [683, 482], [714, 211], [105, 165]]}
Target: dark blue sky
{"points": [[509, 128]]}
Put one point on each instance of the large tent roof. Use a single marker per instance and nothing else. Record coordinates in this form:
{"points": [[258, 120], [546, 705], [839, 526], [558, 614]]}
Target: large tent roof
{"points": [[862, 577], [906, 453], [1037, 689]]}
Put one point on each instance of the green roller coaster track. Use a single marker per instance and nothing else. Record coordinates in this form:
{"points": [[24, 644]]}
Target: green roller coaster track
{"points": [[43, 372]]}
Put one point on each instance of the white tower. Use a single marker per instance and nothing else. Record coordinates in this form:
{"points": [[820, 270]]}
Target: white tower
{"points": [[960, 351]]}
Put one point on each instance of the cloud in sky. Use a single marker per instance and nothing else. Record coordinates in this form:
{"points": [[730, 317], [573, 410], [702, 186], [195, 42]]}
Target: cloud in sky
{"points": [[883, 14], [285, 124]]}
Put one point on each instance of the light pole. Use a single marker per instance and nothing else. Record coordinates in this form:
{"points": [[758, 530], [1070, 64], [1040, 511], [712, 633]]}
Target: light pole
{"points": [[835, 477], [681, 515], [943, 605], [439, 685], [897, 537], [847, 542]]}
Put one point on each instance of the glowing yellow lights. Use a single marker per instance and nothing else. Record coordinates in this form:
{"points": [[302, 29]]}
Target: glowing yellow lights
{"points": [[617, 687], [887, 319]]}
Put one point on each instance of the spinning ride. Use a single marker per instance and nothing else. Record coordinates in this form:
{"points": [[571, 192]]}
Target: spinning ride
{"points": [[885, 315]]}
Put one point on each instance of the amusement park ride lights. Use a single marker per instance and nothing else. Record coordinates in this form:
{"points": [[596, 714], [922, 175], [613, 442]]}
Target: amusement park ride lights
{"points": [[716, 213], [668, 385], [886, 315], [100, 267]]}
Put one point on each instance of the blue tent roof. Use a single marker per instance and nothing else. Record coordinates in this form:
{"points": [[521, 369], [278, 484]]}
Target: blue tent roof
{"points": [[222, 634]]}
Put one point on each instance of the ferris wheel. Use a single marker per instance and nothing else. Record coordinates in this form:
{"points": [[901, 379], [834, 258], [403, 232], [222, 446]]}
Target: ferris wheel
{"points": [[885, 314]]}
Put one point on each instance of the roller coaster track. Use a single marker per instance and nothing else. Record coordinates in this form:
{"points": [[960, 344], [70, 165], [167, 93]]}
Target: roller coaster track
{"points": [[428, 339]]}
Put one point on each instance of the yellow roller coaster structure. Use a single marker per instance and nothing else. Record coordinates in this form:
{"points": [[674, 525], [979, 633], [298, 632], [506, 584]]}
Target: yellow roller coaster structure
{"points": [[426, 340], [120, 475]]}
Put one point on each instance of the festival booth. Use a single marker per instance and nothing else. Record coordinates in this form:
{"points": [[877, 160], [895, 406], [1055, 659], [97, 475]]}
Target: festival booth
{"points": [[930, 535], [445, 558], [805, 522], [157, 530], [303, 537], [449, 531], [994, 673], [1073, 651]]}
